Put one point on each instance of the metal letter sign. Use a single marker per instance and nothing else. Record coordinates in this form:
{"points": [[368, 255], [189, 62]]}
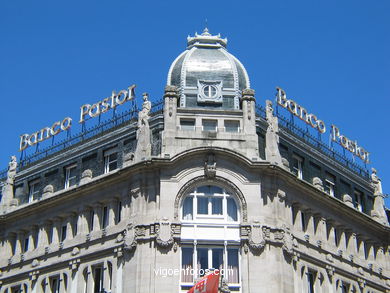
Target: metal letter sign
{"points": [[94, 110], [318, 124]]}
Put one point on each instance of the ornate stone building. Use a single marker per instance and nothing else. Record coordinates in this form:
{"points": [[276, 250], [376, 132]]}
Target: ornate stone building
{"points": [[207, 178]]}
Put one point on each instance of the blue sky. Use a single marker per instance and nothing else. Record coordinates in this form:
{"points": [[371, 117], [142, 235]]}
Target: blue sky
{"points": [[332, 57]]}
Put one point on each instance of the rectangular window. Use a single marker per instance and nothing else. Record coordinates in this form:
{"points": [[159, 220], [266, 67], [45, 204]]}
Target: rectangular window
{"points": [[209, 125], [187, 124], [203, 203], [63, 233], [98, 279], [105, 217], [119, 212], [359, 201], [110, 160], [33, 190], [25, 244], [187, 208], [209, 258], [310, 282], [297, 163], [55, 284], [330, 183], [91, 220], [70, 176], [303, 221], [186, 264], [232, 126]]}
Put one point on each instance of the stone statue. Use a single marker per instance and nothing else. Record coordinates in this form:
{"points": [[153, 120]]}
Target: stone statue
{"points": [[143, 116], [144, 148], [272, 137], [376, 182], [378, 210], [11, 170]]}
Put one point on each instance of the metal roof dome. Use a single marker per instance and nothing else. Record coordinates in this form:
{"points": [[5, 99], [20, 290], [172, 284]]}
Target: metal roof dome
{"points": [[206, 63]]}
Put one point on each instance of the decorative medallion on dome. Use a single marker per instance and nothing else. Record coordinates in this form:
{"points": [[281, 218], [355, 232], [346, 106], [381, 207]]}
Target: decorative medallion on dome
{"points": [[207, 75]]}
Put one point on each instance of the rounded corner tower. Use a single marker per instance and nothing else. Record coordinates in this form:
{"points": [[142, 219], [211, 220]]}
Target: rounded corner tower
{"points": [[207, 75]]}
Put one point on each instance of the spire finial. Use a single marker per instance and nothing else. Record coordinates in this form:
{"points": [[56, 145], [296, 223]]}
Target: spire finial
{"points": [[206, 30]]}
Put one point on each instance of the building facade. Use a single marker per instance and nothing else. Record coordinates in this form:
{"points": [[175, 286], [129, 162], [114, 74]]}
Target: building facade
{"points": [[207, 178]]}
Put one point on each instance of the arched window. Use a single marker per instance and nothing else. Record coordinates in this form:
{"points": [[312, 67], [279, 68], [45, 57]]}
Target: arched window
{"points": [[209, 202], [210, 235]]}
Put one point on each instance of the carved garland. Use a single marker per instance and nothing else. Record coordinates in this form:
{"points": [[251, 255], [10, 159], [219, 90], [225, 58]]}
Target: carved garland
{"points": [[202, 180]]}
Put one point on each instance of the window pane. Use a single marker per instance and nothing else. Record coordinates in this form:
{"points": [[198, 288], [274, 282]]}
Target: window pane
{"points": [[217, 258], [232, 126], [187, 208], [186, 264], [209, 125], [216, 206], [232, 272], [187, 124], [231, 209], [202, 260], [203, 189], [202, 205]]}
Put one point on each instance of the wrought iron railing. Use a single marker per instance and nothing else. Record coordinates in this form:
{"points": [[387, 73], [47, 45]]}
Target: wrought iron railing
{"points": [[85, 134], [292, 128]]}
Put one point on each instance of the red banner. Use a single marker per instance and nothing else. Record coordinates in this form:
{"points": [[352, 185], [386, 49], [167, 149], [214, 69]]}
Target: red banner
{"points": [[208, 284]]}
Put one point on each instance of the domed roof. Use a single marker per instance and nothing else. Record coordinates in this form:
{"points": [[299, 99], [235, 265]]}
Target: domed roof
{"points": [[207, 62]]}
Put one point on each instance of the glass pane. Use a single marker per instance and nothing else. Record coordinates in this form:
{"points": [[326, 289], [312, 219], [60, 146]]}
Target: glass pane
{"points": [[209, 125], [186, 264], [202, 260], [232, 273], [215, 189], [216, 206], [202, 205], [187, 208], [232, 126], [204, 189], [231, 209], [217, 258]]}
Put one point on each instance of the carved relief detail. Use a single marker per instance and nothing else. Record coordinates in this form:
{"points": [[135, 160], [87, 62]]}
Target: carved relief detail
{"points": [[256, 236], [164, 233]]}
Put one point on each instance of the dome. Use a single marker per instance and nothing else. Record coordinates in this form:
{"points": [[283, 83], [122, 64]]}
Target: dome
{"points": [[207, 75]]}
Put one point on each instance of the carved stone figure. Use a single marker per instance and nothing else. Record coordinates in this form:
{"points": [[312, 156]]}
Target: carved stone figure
{"points": [[272, 137], [11, 170], [144, 148], [376, 182], [317, 182], [210, 166]]}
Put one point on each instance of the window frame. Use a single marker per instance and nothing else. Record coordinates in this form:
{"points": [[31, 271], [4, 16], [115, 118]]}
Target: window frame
{"points": [[107, 161], [210, 247], [206, 127], [223, 217], [238, 130], [33, 190], [298, 171], [68, 177]]}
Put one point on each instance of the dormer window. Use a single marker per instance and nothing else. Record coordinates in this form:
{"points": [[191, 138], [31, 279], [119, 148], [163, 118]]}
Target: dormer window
{"points": [[209, 91]]}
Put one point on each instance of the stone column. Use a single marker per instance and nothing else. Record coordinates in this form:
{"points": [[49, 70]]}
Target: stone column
{"points": [[106, 277], [56, 231], [248, 109], [19, 242], [82, 222], [112, 208], [171, 97], [69, 228], [96, 217]]}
